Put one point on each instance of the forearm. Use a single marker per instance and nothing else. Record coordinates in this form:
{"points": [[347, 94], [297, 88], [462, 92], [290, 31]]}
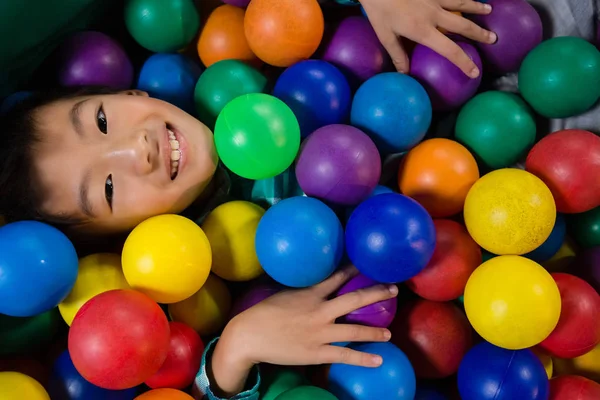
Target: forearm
{"points": [[226, 370]]}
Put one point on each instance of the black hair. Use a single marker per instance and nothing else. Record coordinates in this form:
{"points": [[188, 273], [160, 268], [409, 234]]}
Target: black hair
{"points": [[21, 194]]}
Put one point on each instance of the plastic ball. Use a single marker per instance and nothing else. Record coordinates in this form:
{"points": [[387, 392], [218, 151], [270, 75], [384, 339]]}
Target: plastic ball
{"points": [[306, 393], [339, 164], [589, 266], [20, 335], [222, 82], [587, 365], [283, 32], [393, 380], [253, 295], [454, 259], [564, 258], [573, 388], [26, 365], [162, 26], [447, 86], [183, 360], [438, 173], [585, 228], [394, 110], [171, 78], [98, 273], [498, 127], [390, 238], [545, 359], [558, 160], [14, 385], [512, 302], [93, 59], [257, 136], [297, 232], [434, 336], [230, 229], [317, 92], [380, 314], [355, 49], [270, 191], [519, 29], [164, 394], [223, 37], [552, 245], [560, 78], [509, 211], [238, 3], [119, 339], [278, 382], [379, 189], [207, 310], [488, 372], [67, 383], [578, 329], [38, 266]]}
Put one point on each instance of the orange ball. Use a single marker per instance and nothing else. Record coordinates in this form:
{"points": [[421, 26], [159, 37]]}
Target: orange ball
{"points": [[164, 394], [223, 37], [283, 32], [438, 173]]}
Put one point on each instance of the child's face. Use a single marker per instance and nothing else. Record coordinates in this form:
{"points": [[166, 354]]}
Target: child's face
{"points": [[110, 159]]}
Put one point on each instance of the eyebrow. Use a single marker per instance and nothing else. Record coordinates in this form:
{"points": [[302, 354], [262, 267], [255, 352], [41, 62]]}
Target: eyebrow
{"points": [[76, 117], [84, 199]]}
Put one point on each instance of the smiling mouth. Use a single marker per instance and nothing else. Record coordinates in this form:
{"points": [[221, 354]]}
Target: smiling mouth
{"points": [[175, 153]]}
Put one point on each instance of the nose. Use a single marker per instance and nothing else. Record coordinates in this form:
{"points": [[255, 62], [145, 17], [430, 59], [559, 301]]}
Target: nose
{"points": [[136, 153]]}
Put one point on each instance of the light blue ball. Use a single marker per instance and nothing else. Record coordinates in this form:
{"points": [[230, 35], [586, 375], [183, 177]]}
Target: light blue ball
{"points": [[299, 242]]}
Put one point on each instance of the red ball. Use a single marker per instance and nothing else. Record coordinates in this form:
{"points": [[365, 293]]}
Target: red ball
{"points": [[435, 337], [183, 361], [455, 258], [572, 387], [568, 162], [578, 329], [119, 339]]}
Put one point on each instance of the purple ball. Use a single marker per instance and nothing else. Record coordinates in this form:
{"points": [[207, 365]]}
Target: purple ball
{"points": [[589, 267], [93, 58], [379, 314], [254, 295], [519, 29], [355, 49], [447, 86], [237, 3], [338, 163]]}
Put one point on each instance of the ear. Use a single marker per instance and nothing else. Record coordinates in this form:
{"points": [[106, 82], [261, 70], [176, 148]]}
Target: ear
{"points": [[135, 92]]}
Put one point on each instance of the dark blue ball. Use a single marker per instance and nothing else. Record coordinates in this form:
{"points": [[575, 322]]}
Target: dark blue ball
{"points": [[379, 189], [551, 246], [393, 380], [299, 241], [390, 238], [394, 110], [429, 394], [38, 268], [172, 78], [317, 92], [12, 100], [488, 372]]}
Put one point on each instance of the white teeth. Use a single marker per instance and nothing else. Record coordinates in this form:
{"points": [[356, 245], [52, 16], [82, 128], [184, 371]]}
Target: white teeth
{"points": [[174, 144], [175, 153]]}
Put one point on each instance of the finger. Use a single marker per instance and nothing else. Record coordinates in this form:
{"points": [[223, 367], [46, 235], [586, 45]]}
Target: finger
{"points": [[335, 281], [345, 355], [442, 45], [466, 6], [349, 302], [356, 333], [462, 26], [393, 45]]}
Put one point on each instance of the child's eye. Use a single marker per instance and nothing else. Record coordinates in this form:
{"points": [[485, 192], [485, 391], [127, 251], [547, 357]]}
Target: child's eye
{"points": [[101, 121], [108, 190]]}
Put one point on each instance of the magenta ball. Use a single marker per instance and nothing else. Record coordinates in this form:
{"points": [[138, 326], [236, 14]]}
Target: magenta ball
{"points": [[94, 59], [254, 295], [237, 3], [379, 314], [519, 29], [588, 266], [355, 49], [338, 163], [447, 86]]}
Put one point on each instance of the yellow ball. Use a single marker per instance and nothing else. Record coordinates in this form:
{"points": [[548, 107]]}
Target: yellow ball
{"points": [[587, 365], [545, 359], [17, 386], [509, 211], [167, 257], [230, 229], [512, 302], [98, 273], [207, 311]]}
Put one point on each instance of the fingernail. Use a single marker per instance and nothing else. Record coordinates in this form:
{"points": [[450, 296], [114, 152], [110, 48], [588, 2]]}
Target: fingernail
{"points": [[492, 37], [474, 73], [377, 360], [487, 7], [393, 289], [387, 334]]}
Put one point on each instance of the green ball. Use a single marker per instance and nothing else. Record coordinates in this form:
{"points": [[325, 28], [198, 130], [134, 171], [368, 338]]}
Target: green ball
{"points": [[257, 136], [306, 393], [162, 26], [560, 78], [23, 335], [223, 82], [585, 228], [278, 382], [499, 128]]}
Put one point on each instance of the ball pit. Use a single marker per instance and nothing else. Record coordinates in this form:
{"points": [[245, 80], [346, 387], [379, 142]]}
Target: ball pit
{"points": [[280, 381]]}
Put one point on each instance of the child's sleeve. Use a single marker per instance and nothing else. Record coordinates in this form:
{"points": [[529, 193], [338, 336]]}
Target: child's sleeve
{"points": [[202, 390]]}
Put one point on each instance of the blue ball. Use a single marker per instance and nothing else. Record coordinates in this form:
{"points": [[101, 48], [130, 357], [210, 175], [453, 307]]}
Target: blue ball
{"points": [[172, 78], [551, 246], [38, 268], [12, 100], [488, 372], [364, 13], [317, 92], [299, 242], [379, 189], [67, 384], [394, 110], [390, 238], [429, 394], [393, 380]]}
